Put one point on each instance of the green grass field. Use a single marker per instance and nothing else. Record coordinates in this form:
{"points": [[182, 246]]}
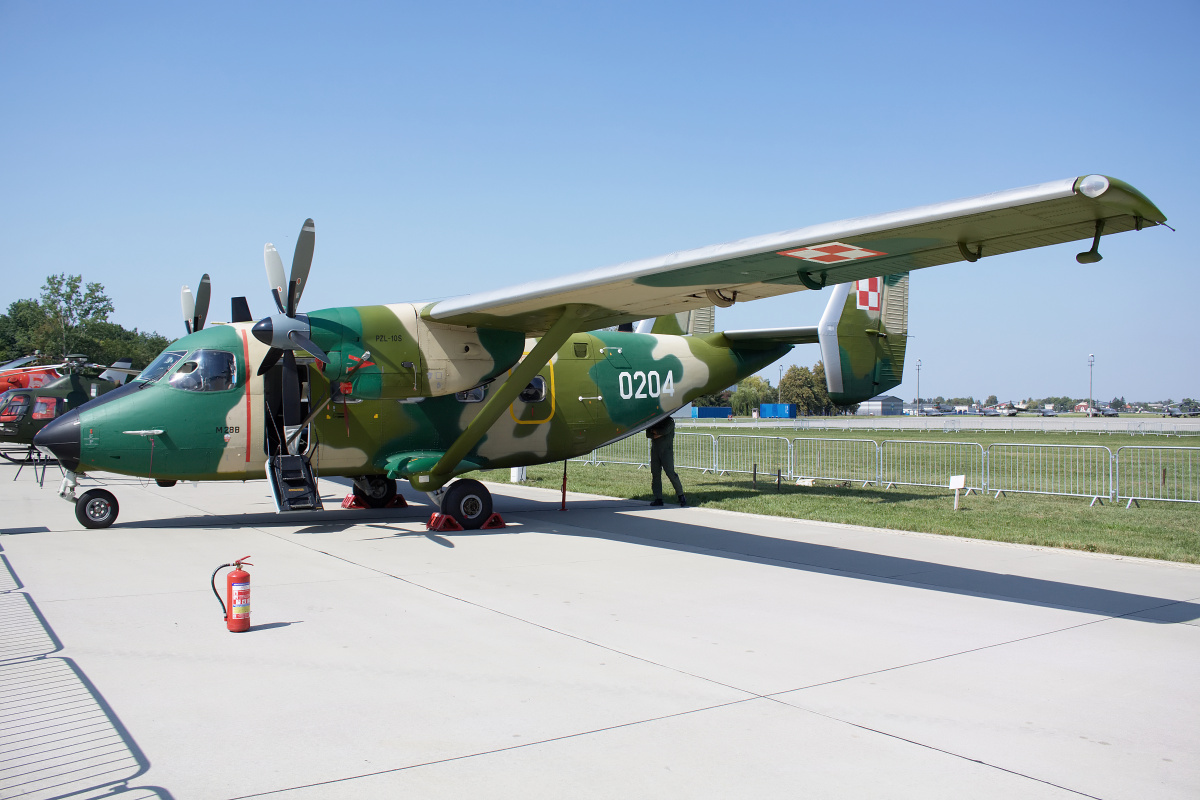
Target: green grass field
{"points": [[1169, 531]]}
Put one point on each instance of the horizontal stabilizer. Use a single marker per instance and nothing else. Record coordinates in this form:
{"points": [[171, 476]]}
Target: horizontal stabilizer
{"points": [[806, 334]]}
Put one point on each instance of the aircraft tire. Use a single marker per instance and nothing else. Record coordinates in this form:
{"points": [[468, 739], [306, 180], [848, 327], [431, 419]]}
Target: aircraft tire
{"points": [[374, 491], [469, 502], [96, 508]]}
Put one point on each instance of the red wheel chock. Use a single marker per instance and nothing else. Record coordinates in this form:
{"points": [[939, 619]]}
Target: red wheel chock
{"points": [[494, 521], [350, 501], [442, 522]]}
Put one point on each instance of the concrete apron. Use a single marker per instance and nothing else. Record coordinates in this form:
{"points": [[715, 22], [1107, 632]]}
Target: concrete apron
{"points": [[608, 651]]}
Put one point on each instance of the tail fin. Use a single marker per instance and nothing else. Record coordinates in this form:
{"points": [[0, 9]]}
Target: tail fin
{"points": [[863, 334], [117, 373]]}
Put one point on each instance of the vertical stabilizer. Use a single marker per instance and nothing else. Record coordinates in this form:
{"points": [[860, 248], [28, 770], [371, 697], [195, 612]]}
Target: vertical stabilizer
{"points": [[863, 335]]}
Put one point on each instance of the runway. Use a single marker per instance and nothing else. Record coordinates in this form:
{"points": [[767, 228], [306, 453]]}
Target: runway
{"points": [[608, 651]]}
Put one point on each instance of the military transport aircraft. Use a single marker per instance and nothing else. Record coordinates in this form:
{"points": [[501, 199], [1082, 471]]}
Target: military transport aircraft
{"points": [[526, 375]]}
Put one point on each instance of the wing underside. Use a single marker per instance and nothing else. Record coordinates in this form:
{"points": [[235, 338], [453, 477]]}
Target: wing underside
{"points": [[812, 257]]}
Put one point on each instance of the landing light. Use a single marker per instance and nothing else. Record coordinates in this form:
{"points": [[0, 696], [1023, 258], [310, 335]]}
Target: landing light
{"points": [[1093, 185]]}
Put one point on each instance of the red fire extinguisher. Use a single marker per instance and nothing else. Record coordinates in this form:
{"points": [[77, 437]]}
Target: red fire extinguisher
{"points": [[236, 604]]}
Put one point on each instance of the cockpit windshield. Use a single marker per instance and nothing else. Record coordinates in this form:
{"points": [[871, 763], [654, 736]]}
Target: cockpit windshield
{"points": [[159, 366], [13, 406], [206, 371]]}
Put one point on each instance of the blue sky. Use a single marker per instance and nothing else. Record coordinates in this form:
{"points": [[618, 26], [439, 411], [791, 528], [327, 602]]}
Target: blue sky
{"points": [[446, 148]]}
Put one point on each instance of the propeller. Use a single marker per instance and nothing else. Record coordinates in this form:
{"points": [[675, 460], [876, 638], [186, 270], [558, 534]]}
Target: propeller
{"points": [[195, 308], [288, 331]]}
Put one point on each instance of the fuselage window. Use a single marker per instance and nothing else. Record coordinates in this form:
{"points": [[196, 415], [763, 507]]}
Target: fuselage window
{"points": [[47, 407], [161, 365], [206, 371], [475, 395], [535, 392]]}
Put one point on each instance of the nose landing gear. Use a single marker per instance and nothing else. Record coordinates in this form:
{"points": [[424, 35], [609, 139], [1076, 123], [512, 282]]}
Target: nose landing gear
{"points": [[95, 508]]}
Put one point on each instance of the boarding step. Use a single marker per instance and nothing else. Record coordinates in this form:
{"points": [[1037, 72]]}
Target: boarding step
{"points": [[293, 484]]}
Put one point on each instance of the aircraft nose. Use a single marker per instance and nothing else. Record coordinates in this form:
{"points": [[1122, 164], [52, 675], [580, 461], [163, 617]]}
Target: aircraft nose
{"points": [[61, 439]]}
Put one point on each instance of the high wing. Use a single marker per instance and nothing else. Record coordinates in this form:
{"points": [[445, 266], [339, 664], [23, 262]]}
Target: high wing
{"points": [[813, 257]]}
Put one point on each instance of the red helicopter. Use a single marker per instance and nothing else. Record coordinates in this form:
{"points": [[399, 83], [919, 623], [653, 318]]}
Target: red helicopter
{"points": [[26, 373]]}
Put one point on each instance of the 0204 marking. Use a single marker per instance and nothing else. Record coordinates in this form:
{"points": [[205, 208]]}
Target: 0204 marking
{"points": [[638, 385]]}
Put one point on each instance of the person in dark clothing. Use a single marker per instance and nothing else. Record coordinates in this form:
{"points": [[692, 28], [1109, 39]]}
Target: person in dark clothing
{"points": [[662, 457]]}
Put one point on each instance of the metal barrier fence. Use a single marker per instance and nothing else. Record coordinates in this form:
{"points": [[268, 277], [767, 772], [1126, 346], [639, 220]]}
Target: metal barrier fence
{"points": [[633, 450], [1133, 473], [836, 459], [1131, 424], [692, 451], [1158, 473], [1072, 470], [916, 463], [761, 454]]}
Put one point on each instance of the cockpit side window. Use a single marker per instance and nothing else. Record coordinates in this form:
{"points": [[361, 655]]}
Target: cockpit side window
{"points": [[206, 371], [161, 365]]}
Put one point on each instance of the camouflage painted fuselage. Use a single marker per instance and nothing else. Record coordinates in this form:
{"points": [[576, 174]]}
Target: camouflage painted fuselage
{"points": [[404, 397]]}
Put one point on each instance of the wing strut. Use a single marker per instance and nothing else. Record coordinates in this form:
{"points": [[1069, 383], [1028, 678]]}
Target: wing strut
{"points": [[501, 399]]}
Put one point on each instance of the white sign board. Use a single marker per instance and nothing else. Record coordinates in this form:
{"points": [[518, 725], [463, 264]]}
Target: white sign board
{"points": [[958, 481]]}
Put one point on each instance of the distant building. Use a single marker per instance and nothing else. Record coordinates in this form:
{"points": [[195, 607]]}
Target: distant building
{"points": [[1081, 407], [885, 405]]}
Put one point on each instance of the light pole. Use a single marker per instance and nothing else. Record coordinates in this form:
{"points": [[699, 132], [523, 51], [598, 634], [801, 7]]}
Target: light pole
{"points": [[1091, 361], [918, 387]]}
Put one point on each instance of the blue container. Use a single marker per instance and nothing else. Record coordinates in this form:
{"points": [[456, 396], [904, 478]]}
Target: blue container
{"points": [[777, 411], [711, 412]]}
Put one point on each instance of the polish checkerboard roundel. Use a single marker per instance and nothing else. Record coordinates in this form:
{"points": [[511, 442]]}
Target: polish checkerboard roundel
{"points": [[868, 294], [831, 253]]}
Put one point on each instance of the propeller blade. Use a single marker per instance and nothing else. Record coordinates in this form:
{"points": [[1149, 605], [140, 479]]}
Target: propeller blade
{"points": [[239, 310], [302, 260], [291, 389], [189, 307], [308, 345], [203, 293], [275, 277], [292, 297], [273, 355]]}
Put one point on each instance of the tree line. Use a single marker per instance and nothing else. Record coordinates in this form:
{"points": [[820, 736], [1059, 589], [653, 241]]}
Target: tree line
{"points": [[71, 317]]}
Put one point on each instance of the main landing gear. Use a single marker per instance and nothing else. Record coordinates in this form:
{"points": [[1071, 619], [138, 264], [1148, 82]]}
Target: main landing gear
{"points": [[374, 492], [469, 502]]}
